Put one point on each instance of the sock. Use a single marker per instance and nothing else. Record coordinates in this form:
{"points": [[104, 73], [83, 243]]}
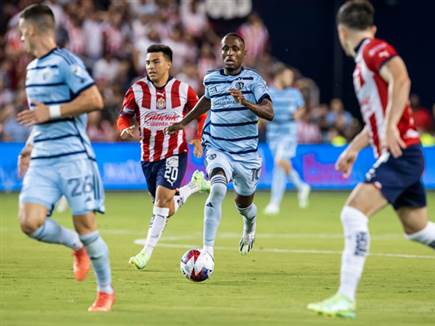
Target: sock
{"points": [[296, 179], [184, 193], [51, 232], [249, 218], [99, 255], [356, 248], [278, 185], [157, 225], [213, 210], [425, 236]]}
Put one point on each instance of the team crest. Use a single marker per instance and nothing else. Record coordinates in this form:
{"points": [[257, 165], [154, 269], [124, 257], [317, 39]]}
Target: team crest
{"points": [[161, 103], [239, 85]]}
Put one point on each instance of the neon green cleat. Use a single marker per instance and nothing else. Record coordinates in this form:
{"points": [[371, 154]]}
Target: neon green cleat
{"points": [[140, 260], [335, 306], [198, 179]]}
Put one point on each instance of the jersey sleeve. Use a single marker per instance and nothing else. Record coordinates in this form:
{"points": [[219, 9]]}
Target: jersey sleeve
{"points": [[76, 77], [260, 90], [192, 99], [299, 99], [377, 55], [206, 89], [128, 110]]}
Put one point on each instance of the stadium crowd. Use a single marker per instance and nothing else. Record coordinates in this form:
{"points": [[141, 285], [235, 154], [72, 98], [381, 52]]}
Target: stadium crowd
{"points": [[112, 36]]}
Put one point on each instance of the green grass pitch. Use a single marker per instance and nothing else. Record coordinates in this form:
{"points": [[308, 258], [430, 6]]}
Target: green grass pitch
{"points": [[295, 261]]}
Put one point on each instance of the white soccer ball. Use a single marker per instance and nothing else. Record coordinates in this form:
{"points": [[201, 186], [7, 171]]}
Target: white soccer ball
{"points": [[196, 265]]}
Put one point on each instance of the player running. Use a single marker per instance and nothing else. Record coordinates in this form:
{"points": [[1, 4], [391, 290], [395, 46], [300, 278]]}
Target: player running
{"points": [[236, 97], [288, 106], [382, 86], [156, 102], [58, 158]]}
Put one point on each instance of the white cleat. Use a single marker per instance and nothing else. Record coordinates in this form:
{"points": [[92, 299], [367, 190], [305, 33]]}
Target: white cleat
{"points": [[303, 195], [246, 243], [271, 209]]}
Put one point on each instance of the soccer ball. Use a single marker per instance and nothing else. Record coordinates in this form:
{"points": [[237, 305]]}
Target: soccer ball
{"points": [[196, 265]]}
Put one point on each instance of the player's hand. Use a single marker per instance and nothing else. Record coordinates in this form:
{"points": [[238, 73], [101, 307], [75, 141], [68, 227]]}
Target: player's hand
{"points": [[40, 114], [128, 133], [24, 160], [174, 128], [197, 148], [237, 94], [345, 162], [392, 141]]}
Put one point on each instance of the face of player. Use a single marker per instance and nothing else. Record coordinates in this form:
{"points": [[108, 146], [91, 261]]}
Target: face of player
{"points": [[157, 67], [287, 78], [27, 35], [233, 53]]}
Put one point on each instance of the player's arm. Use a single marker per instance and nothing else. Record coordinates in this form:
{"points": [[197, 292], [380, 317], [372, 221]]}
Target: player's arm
{"points": [[263, 109], [299, 113], [201, 107], [87, 101], [395, 74], [24, 156], [346, 160], [124, 122]]}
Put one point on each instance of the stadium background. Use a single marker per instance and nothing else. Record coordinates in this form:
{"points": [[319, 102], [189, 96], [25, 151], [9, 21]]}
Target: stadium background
{"points": [[111, 37]]}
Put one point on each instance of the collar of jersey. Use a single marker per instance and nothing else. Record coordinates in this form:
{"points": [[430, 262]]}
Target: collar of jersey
{"points": [[222, 71], [48, 53], [358, 47], [163, 87]]}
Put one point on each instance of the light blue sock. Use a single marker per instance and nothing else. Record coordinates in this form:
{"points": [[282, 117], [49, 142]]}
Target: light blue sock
{"points": [[51, 232], [296, 179], [99, 255], [279, 181], [213, 210]]}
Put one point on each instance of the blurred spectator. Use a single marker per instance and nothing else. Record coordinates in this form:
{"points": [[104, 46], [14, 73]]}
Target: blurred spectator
{"points": [[256, 37], [193, 17], [99, 129], [106, 68], [422, 117]]}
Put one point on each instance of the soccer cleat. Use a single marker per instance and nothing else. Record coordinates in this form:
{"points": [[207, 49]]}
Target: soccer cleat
{"points": [[335, 306], [199, 180], [246, 243], [80, 264], [271, 209], [303, 196], [103, 302], [140, 260]]}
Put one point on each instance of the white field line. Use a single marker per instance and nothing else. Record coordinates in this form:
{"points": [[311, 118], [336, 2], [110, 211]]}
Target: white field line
{"points": [[287, 251]]}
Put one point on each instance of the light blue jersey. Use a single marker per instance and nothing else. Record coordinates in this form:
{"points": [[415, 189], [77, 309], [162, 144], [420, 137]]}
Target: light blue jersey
{"points": [[62, 161], [285, 103], [55, 78], [230, 127]]}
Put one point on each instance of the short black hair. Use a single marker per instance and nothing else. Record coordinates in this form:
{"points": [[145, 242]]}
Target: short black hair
{"points": [[236, 35], [41, 15], [166, 50], [356, 14]]}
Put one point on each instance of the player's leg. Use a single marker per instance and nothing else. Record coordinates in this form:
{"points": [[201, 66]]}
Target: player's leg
{"points": [[245, 180], [219, 171], [197, 183], [98, 252], [364, 201], [412, 212], [279, 181], [37, 198]]}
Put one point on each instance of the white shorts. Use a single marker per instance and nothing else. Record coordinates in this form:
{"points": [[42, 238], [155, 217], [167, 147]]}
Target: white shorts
{"points": [[78, 180], [284, 149], [244, 175]]}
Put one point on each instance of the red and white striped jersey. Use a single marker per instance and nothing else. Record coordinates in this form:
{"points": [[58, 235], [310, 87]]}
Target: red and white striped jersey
{"points": [[372, 92], [154, 110]]}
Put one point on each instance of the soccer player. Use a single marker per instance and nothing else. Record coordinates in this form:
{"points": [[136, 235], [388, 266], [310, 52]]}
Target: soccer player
{"points": [[288, 106], [58, 158], [236, 97], [382, 86], [156, 102]]}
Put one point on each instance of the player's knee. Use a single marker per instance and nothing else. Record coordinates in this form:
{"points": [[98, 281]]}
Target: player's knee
{"points": [[29, 225], [250, 211]]}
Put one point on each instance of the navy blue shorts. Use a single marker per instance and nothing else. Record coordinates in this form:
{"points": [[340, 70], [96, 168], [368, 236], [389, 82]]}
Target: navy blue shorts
{"points": [[167, 173], [399, 179]]}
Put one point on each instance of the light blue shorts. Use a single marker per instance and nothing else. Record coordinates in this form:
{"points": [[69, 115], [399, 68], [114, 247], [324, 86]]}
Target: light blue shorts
{"points": [[284, 149], [244, 175], [78, 180]]}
